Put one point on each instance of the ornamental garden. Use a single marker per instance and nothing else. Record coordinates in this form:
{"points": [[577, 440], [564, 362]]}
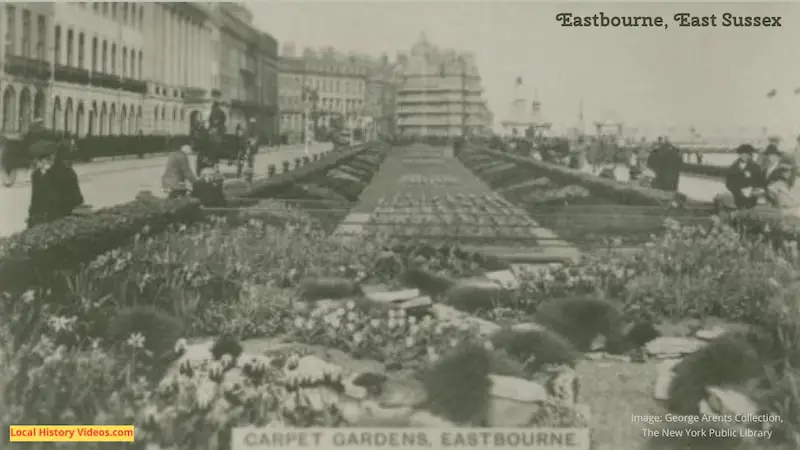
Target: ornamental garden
{"points": [[293, 307]]}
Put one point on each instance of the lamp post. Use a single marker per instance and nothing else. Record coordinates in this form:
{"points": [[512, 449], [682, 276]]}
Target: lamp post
{"points": [[463, 63]]}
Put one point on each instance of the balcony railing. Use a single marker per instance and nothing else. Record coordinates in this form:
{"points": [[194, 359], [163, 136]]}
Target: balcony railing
{"points": [[73, 75], [438, 99], [22, 66], [41, 70], [194, 93]]}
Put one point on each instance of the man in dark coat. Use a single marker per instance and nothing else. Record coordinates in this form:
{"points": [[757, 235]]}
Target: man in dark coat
{"points": [[665, 161], [742, 178], [55, 190], [217, 119]]}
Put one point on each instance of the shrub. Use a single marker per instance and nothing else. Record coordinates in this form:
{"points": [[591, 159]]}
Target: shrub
{"points": [[27, 257]]}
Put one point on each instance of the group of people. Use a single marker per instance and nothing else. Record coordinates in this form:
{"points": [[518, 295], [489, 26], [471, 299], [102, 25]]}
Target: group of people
{"points": [[207, 141], [767, 182]]}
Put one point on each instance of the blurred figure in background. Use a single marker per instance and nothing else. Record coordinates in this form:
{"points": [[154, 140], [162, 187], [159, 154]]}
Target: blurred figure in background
{"points": [[778, 180], [201, 143], [178, 177], [665, 161]]}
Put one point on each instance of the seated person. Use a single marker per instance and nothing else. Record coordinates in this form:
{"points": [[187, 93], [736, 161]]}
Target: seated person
{"points": [[744, 179], [208, 189]]}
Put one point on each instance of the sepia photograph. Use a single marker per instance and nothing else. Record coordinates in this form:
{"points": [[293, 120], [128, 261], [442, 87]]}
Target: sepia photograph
{"points": [[370, 224]]}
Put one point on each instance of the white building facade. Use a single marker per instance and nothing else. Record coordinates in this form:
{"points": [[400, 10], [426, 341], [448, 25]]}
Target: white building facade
{"points": [[441, 94], [114, 68]]}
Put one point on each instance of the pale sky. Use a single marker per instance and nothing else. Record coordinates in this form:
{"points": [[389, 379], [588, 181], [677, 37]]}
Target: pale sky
{"points": [[652, 78]]}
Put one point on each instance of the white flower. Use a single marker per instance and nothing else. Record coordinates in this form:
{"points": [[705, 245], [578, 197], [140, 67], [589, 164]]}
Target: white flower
{"points": [[358, 338], [136, 340], [774, 283], [180, 346], [299, 322], [375, 323], [351, 328], [310, 325], [453, 342], [226, 359], [401, 313], [352, 316], [413, 329], [412, 320], [350, 305], [391, 324], [205, 394], [340, 312], [409, 341], [392, 313], [29, 296]]}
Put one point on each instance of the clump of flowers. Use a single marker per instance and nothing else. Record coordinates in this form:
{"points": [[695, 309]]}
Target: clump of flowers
{"points": [[396, 338]]}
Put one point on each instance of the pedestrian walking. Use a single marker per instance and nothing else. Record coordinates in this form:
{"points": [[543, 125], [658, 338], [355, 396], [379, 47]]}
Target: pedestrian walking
{"points": [[55, 189], [178, 177]]}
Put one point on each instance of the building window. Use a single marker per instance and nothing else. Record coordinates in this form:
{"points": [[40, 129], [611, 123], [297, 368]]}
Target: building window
{"points": [[133, 64], [104, 57], [41, 37], [124, 61], [94, 53], [57, 45], [11, 30], [141, 61], [141, 19], [26, 33], [81, 51], [105, 9], [113, 59], [113, 10], [125, 12], [70, 37]]}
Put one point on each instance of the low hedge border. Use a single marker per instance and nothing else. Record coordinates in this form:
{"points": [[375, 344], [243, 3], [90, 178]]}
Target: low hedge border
{"points": [[769, 223], [624, 193], [265, 187], [63, 245]]}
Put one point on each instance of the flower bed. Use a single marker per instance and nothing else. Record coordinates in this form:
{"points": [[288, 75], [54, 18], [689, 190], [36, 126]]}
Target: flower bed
{"points": [[108, 334], [65, 244], [457, 218], [581, 208], [328, 196]]}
